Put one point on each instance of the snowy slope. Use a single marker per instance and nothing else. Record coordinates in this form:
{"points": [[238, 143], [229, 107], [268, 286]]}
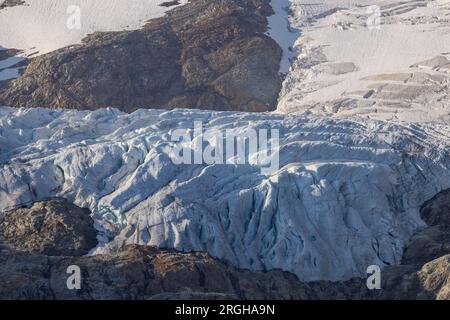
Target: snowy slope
{"points": [[349, 65], [347, 194], [283, 32], [41, 26], [349, 188]]}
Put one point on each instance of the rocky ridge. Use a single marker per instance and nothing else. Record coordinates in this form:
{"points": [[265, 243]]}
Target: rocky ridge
{"points": [[52, 228], [207, 54]]}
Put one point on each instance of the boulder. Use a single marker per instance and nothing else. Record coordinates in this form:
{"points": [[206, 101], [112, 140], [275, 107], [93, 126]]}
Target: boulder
{"points": [[208, 54]]}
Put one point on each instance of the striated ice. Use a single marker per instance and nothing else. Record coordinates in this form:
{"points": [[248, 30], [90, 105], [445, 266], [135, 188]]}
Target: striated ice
{"points": [[347, 194]]}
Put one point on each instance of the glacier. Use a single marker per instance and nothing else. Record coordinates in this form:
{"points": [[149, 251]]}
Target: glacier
{"points": [[347, 194]]}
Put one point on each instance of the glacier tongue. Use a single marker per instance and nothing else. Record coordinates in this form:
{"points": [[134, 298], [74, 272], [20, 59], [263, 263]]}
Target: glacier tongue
{"points": [[385, 60], [347, 194]]}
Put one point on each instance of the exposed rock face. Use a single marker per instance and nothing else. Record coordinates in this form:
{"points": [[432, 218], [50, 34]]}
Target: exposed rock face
{"points": [[435, 278], [148, 273], [208, 54], [428, 282], [38, 244], [436, 212], [425, 272], [140, 272], [53, 228]]}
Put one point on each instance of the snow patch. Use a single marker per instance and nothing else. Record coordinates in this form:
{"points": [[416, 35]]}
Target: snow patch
{"points": [[335, 34], [347, 194]]}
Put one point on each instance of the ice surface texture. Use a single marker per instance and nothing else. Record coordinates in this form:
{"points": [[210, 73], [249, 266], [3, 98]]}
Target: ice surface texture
{"points": [[347, 194]]}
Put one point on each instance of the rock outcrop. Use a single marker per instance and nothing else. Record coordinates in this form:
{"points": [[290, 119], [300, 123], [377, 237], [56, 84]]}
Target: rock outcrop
{"points": [[53, 228], [434, 241], [425, 269], [10, 3], [139, 272], [408, 282], [406, 77], [346, 194], [208, 54], [39, 243]]}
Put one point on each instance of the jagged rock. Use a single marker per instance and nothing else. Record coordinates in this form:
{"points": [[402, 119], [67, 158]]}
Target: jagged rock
{"points": [[428, 244], [436, 212], [53, 228], [429, 253], [33, 265], [41, 242], [141, 272], [208, 54]]}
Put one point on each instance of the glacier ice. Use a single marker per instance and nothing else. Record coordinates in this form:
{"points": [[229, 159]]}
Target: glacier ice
{"points": [[347, 194]]}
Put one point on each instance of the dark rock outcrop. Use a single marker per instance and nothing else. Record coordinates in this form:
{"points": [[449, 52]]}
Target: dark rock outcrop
{"points": [[408, 282], [208, 54], [148, 273], [434, 241], [425, 269], [10, 3], [52, 228]]}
